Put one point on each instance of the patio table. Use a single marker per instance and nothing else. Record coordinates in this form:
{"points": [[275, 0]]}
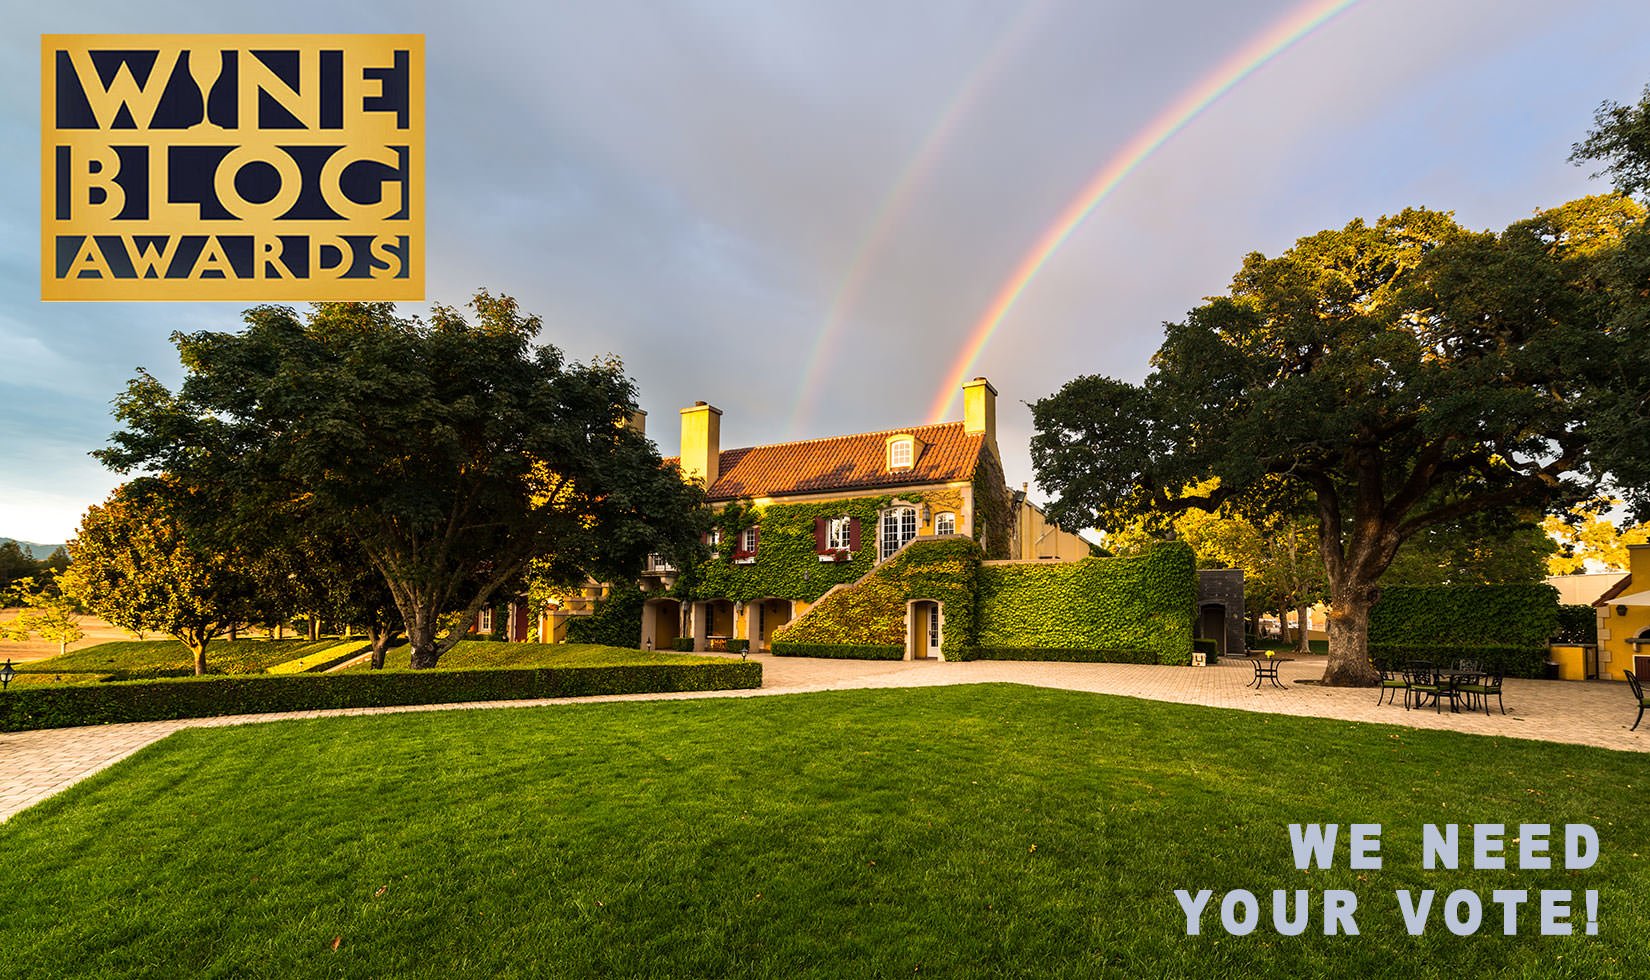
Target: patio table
{"points": [[1266, 669]]}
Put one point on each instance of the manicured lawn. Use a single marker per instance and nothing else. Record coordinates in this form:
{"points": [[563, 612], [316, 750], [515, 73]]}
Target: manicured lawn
{"points": [[168, 656], [963, 831], [484, 653]]}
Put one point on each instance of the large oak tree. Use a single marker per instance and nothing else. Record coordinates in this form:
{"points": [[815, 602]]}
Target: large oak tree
{"points": [[451, 453], [1403, 375]]}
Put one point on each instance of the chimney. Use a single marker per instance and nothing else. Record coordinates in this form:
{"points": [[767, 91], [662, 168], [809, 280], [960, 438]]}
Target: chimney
{"points": [[637, 422], [980, 410], [702, 443]]}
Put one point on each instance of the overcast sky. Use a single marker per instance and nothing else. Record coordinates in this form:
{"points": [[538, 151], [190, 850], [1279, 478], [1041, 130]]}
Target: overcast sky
{"points": [[708, 189]]}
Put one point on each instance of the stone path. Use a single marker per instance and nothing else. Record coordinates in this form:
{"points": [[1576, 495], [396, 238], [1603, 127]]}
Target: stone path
{"points": [[37, 764]]}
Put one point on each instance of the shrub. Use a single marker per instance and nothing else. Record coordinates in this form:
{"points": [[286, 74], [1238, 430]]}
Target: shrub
{"points": [[1064, 655], [1453, 616], [202, 697], [738, 646], [684, 644], [838, 651], [1135, 603], [1513, 661], [1576, 624], [616, 621]]}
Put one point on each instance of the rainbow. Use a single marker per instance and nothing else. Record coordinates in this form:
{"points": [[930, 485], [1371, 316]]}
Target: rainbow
{"points": [[1208, 90], [891, 209]]}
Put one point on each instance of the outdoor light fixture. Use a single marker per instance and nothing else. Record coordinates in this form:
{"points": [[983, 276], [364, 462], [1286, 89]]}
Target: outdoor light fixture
{"points": [[6, 674]]}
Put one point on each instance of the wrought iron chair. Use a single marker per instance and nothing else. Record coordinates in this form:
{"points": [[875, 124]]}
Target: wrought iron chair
{"points": [[1423, 682], [1392, 681], [1638, 695], [1481, 687]]}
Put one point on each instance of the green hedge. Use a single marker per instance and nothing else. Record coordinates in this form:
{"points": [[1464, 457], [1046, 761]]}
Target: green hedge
{"points": [[738, 646], [1072, 655], [1136, 603], [1577, 624], [203, 697], [684, 644], [1513, 661], [1452, 616], [838, 651], [615, 622]]}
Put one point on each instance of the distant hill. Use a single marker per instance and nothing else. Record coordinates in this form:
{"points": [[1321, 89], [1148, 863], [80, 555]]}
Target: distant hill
{"points": [[34, 550]]}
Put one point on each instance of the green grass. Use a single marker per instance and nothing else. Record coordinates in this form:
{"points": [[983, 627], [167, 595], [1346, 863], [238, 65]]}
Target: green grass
{"points": [[485, 653], [962, 831], [161, 657]]}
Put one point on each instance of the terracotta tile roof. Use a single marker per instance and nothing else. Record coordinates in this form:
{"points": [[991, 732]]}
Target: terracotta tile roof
{"points": [[1614, 591], [856, 462]]}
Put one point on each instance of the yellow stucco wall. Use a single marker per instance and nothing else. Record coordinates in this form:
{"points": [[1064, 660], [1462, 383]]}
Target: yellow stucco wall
{"points": [[1617, 623]]}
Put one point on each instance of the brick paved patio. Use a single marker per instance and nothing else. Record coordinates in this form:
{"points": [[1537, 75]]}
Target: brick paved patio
{"points": [[37, 764]]}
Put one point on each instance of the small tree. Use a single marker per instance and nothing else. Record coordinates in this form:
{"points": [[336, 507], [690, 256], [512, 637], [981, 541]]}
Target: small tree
{"points": [[134, 565], [44, 611]]}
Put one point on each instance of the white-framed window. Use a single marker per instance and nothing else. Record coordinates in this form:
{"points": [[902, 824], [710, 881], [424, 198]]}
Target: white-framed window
{"points": [[714, 537], [898, 526], [839, 534], [899, 454], [747, 541], [484, 622], [945, 523], [934, 626]]}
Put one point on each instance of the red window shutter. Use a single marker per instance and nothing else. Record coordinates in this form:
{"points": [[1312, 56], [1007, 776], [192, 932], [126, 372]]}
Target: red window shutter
{"points": [[853, 534], [819, 535]]}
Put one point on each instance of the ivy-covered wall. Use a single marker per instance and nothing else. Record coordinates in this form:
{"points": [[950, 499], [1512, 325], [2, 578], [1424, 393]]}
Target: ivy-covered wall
{"points": [[1143, 603], [1465, 615], [871, 612], [993, 508]]}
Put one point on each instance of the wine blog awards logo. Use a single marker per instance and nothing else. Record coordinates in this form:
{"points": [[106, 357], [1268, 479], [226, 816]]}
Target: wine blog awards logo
{"points": [[232, 167]]}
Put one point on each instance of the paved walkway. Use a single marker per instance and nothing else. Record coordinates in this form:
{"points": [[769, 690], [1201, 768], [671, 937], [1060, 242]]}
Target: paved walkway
{"points": [[37, 764]]}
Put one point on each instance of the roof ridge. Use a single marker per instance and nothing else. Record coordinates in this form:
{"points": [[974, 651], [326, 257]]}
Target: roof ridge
{"points": [[851, 435]]}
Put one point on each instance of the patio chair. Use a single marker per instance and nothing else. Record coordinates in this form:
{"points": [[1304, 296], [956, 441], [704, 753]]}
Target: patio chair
{"points": [[1481, 687], [1638, 695], [1422, 683], [1468, 667], [1392, 681]]}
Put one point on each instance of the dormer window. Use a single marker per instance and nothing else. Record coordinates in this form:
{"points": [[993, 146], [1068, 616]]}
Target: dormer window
{"points": [[902, 452]]}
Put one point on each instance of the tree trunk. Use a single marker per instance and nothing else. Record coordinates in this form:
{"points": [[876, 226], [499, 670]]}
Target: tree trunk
{"points": [[1349, 664], [314, 628], [234, 633], [421, 634], [1303, 640], [382, 637], [198, 648]]}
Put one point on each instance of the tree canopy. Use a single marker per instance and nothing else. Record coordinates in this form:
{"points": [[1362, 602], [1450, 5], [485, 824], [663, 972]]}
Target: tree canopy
{"points": [[1401, 375], [451, 453], [136, 566]]}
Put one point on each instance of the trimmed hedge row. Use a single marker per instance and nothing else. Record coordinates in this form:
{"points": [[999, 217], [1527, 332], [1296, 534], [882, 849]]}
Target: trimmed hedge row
{"points": [[204, 697], [1514, 661], [1064, 655], [1141, 603], [838, 651], [1450, 616]]}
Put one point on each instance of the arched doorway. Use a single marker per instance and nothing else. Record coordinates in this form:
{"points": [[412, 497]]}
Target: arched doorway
{"points": [[713, 623], [661, 624], [762, 617], [1211, 625], [925, 630]]}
